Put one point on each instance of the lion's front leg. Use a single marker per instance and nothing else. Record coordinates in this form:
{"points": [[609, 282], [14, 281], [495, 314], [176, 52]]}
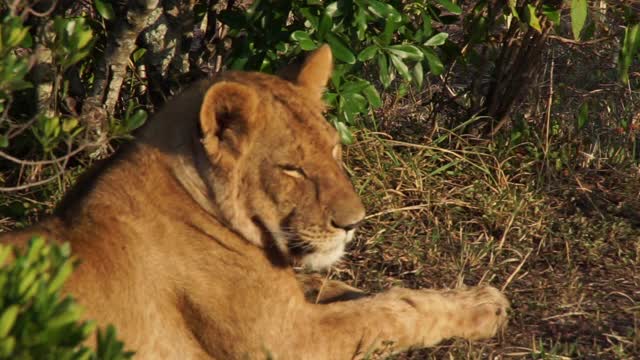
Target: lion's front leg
{"points": [[320, 290], [403, 318]]}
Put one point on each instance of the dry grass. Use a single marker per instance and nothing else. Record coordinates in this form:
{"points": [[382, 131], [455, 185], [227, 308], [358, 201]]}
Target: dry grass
{"points": [[566, 252]]}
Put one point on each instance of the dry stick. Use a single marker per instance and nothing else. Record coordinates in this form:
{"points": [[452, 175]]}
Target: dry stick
{"points": [[580, 42], [516, 271], [61, 168], [30, 185], [550, 102], [510, 224], [389, 211], [45, 162]]}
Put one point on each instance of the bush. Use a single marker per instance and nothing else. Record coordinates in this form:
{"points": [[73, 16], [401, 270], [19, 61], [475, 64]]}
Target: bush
{"points": [[36, 322], [76, 75]]}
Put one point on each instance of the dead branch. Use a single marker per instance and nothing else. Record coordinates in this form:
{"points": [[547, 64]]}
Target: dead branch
{"points": [[112, 67]]}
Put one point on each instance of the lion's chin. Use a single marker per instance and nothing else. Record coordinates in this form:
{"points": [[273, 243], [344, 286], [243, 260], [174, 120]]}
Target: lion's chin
{"points": [[321, 260]]}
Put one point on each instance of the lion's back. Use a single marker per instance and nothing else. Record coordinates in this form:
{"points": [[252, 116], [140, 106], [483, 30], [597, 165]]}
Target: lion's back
{"points": [[49, 228]]}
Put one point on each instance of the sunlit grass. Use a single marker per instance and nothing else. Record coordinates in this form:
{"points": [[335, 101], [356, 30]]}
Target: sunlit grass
{"points": [[439, 217]]}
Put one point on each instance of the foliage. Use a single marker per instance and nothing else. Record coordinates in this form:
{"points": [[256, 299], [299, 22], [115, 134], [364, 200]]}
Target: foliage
{"points": [[56, 72], [360, 33], [35, 320]]}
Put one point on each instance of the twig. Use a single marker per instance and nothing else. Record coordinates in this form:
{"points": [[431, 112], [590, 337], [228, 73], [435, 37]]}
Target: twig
{"points": [[46, 162], [516, 271], [549, 104], [579, 42], [30, 185], [559, 316], [390, 211]]}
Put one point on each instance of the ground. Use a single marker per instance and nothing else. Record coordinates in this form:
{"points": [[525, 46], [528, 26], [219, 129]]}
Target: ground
{"points": [[564, 247]]}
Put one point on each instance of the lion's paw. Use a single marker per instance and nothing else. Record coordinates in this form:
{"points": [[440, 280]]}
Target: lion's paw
{"points": [[483, 311]]}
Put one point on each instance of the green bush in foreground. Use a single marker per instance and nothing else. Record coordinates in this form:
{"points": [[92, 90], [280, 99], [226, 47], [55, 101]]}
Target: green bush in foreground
{"points": [[36, 321]]}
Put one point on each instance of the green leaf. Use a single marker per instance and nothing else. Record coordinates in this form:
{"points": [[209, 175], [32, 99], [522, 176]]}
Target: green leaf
{"points": [[630, 45], [330, 98], [386, 11], [69, 124], [51, 127], [583, 115], [361, 23], [552, 14], [372, 96], [532, 18], [345, 134], [426, 25], [27, 42], [409, 52], [437, 39], [450, 6], [136, 120], [435, 64], [7, 319], [7, 346], [383, 68], [138, 54], [367, 53], [300, 35], [354, 86], [418, 74], [402, 68], [16, 36], [4, 141], [578, 16], [387, 34], [325, 26], [355, 103], [340, 50], [514, 11], [104, 8], [304, 39], [60, 277]]}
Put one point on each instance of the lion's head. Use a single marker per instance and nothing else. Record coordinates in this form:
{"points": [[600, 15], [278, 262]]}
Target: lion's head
{"points": [[276, 171]]}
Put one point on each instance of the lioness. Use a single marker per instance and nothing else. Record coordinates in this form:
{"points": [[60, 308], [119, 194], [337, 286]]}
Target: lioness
{"points": [[187, 234]]}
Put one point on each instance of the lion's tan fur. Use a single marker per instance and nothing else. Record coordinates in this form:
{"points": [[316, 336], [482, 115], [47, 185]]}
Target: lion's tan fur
{"points": [[183, 245]]}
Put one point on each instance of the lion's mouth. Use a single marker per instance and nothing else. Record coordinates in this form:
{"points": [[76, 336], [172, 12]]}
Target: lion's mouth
{"points": [[296, 246], [299, 247], [285, 246], [272, 248]]}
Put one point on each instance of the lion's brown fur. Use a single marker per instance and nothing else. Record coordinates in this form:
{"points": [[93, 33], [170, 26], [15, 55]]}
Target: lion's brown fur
{"points": [[184, 234]]}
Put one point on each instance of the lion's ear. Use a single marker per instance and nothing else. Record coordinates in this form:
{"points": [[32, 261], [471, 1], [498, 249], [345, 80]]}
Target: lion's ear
{"points": [[316, 71], [227, 114]]}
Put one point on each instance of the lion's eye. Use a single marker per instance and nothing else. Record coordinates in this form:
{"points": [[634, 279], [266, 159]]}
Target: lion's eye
{"points": [[293, 171]]}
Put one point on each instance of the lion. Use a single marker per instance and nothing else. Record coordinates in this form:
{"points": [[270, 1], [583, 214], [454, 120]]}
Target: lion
{"points": [[187, 235]]}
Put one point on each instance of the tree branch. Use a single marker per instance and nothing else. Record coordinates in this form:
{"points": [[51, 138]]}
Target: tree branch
{"points": [[112, 67]]}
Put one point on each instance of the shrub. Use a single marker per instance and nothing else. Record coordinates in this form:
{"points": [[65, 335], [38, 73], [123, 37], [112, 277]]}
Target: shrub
{"points": [[36, 321]]}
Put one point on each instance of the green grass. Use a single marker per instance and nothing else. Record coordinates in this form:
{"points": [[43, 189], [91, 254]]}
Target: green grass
{"points": [[566, 251]]}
